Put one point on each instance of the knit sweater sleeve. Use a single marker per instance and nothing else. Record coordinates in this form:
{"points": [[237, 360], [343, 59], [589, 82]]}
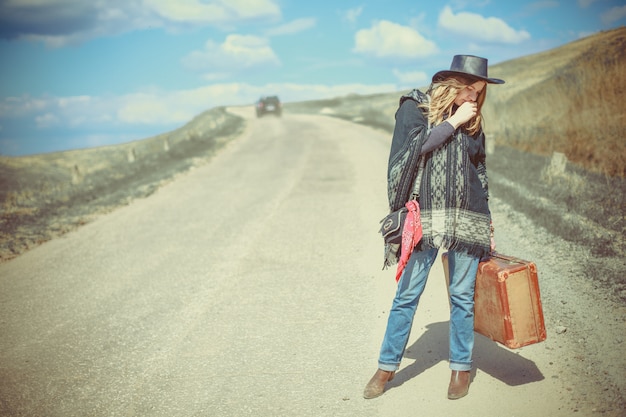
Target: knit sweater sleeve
{"points": [[438, 135], [408, 117]]}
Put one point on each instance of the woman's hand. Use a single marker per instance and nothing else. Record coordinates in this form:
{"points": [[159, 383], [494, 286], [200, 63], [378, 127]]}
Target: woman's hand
{"points": [[463, 114]]}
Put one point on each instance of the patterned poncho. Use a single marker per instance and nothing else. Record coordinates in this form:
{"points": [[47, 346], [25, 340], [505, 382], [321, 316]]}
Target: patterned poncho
{"points": [[451, 188]]}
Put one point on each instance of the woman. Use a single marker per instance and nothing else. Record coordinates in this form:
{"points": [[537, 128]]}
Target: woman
{"points": [[438, 156]]}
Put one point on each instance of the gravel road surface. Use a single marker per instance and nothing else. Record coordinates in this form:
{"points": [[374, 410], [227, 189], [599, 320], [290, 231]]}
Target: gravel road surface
{"points": [[253, 286]]}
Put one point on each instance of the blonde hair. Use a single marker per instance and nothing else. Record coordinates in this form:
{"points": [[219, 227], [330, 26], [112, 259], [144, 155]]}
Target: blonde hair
{"points": [[442, 95]]}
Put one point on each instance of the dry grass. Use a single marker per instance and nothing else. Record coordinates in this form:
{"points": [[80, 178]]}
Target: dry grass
{"points": [[44, 196], [574, 106], [33, 181]]}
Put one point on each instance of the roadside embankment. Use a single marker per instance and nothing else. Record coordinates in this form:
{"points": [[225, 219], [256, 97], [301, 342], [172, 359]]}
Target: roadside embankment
{"points": [[46, 195]]}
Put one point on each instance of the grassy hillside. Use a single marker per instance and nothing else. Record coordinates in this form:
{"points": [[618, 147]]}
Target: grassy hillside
{"points": [[570, 100], [43, 196]]}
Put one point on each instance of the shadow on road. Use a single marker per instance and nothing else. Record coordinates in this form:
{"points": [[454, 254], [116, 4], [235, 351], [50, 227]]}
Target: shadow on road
{"points": [[501, 363]]}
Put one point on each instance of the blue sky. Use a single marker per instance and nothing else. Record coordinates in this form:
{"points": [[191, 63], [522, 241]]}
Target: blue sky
{"points": [[77, 74]]}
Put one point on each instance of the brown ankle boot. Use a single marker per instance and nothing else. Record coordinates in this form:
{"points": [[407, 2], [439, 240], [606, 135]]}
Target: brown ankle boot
{"points": [[459, 384], [376, 386]]}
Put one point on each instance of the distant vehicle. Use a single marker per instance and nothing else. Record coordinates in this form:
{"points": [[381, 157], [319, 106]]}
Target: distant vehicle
{"points": [[269, 104]]}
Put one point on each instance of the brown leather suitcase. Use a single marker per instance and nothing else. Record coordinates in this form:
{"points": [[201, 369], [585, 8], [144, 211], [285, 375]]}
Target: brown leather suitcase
{"points": [[507, 302]]}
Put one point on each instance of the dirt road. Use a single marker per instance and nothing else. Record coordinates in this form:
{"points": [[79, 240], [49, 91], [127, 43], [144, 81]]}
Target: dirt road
{"points": [[252, 286]]}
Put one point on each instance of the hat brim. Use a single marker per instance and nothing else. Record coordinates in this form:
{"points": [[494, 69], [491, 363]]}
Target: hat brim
{"points": [[441, 75]]}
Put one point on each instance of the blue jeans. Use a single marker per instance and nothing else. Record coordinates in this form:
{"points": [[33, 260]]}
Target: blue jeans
{"points": [[463, 268]]}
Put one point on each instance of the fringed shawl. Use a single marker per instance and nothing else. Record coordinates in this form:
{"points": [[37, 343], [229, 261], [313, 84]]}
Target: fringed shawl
{"points": [[453, 191]]}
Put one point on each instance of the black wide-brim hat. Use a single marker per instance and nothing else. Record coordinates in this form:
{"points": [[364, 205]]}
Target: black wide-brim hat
{"points": [[469, 66]]}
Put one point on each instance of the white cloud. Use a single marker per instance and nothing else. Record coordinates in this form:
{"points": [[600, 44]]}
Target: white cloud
{"points": [[212, 12], [216, 76], [476, 27], [109, 120], [353, 14], [188, 11], [295, 26], [252, 9], [148, 109], [156, 110], [14, 107], [47, 120], [61, 22], [388, 39], [613, 15], [65, 102], [178, 107], [46, 111], [238, 53], [415, 78]]}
